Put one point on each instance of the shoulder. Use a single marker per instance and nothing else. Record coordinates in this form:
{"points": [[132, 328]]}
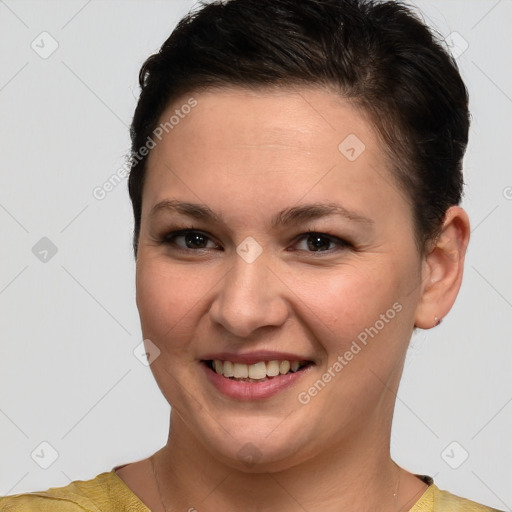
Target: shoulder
{"points": [[446, 501], [104, 493], [437, 500]]}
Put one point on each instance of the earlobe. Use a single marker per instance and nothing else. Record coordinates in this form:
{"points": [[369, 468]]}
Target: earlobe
{"points": [[443, 269]]}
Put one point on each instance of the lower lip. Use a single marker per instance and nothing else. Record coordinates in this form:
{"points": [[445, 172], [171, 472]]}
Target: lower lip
{"points": [[241, 390]]}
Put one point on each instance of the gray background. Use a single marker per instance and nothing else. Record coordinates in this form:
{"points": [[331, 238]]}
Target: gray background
{"points": [[68, 321]]}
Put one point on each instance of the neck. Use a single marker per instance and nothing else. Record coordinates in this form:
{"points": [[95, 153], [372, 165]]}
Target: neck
{"points": [[360, 476]]}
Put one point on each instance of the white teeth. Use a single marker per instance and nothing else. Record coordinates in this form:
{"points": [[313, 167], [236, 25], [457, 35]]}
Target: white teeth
{"points": [[240, 371], [273, 368], [256, 371], [228, 369], [284, 367], [218, 366]]}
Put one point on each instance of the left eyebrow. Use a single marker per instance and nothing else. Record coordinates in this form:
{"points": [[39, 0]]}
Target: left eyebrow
{"points": [[286, 217], [303, 213]]}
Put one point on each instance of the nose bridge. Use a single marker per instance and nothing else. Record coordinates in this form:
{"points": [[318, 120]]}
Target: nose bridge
{"points": [[250, 295]]}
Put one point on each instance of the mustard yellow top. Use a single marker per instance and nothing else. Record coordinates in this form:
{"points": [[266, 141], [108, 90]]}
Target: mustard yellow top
{"points": [[107, 492]]}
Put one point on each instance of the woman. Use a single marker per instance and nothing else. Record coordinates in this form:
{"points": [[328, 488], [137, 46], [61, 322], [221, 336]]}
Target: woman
{"points": [[295, 181]]}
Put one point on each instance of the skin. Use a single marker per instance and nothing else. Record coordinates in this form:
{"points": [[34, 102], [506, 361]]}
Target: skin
{"points": [[248, 155]]}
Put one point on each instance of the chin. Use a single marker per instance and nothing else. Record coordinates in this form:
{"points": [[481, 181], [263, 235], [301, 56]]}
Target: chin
{"points": [[259, 448]]}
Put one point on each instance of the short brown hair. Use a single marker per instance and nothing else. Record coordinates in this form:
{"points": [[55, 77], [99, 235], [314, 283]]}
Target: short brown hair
{"points": [[378, 54]]}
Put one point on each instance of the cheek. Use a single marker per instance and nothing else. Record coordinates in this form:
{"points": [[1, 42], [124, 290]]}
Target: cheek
{"points": [[360, 322], [168, 299], [347, 300]]}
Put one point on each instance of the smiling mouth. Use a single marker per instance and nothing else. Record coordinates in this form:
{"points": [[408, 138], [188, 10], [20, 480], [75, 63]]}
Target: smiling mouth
{"points": [[257, 372]]}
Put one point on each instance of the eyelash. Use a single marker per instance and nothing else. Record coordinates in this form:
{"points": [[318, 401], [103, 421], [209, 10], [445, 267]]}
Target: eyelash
{"points": [[169, 239]]}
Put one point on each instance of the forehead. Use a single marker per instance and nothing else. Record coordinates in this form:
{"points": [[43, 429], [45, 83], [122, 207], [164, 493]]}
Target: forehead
{"points": [[270, 118], [268, 146]]}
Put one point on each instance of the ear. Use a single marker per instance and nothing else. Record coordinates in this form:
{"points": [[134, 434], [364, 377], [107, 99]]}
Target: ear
{"points": [[442, 269]]}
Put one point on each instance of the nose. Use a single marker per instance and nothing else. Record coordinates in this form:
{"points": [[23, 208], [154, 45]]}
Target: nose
{"points": [[251, 296]]}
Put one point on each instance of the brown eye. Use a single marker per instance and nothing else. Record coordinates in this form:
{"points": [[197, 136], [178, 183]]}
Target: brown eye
{"points": [[321, 242], [191, 239]]}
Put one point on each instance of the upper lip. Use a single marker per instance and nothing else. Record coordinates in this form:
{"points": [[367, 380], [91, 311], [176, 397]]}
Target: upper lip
{"points": [[254, 357]]}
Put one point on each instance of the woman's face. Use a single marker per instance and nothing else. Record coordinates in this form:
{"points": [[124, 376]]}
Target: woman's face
{"points": [[249, 285]]}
